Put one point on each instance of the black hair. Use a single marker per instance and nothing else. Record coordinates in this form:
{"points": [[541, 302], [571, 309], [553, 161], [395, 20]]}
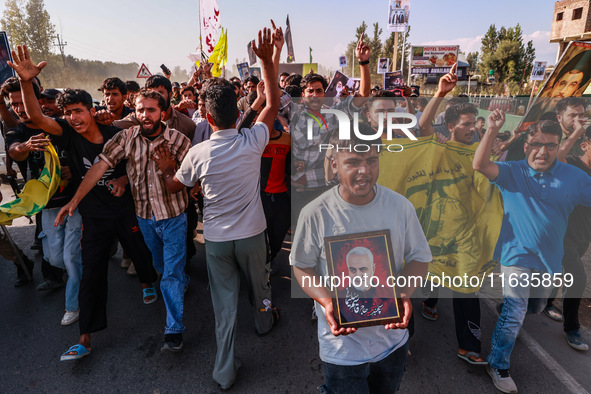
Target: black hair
{"points": [[132, 86], [74, 96], [156, 81], [294, 80], [215, 81], [566, 102], [113, 83], [309, 78], [453, 113], [252, 79], [152, 94], [13, 85], [546, 127], [293, 91], [220, 103]]}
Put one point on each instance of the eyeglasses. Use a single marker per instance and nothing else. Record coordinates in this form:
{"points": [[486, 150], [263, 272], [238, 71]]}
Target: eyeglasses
{"points": [[539, 145]]}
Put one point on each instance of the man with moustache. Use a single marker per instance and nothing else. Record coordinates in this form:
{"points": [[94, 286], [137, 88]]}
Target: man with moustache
{"points": [[114, 92], [161, 215]]}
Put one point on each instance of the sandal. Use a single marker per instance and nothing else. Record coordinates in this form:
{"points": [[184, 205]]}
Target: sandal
{"points": [[79, 350], [150, 292], [429, 313], [471, 357]]}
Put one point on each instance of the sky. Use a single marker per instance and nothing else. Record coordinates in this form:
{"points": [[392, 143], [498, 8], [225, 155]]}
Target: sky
{"points": [[155, 32]]}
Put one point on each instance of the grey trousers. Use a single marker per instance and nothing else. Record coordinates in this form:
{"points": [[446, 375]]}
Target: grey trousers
{"points": [[225, 261]]}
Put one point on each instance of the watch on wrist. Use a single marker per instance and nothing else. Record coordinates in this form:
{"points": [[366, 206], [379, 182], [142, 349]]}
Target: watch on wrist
{"points": [[364, 62]]}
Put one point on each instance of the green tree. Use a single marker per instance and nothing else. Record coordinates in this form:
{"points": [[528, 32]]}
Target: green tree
{"points": [[350, 52], [388, 47], [472, 58], [40, 30], [504, 52], [12, 22]]}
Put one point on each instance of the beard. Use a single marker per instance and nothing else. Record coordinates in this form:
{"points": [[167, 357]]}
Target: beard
{"points": [[151, 131]]}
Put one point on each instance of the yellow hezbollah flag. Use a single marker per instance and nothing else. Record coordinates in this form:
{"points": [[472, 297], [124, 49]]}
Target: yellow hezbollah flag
{"points": [[459, 209], [36, 193], [219, 55]]}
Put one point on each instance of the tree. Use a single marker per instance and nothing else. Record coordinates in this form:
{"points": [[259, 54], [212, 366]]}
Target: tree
{"points": [[350, 52], [40, 30], [472, 58], [504, 52], [12, 22], [29, 24], [388, 47]]}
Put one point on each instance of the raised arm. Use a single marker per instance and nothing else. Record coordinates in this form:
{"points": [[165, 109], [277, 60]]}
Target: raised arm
{"points": [[568, 144], [446, 85], [482, 162], [264, 51], [278, 41], [362, 51], [26, 71]]}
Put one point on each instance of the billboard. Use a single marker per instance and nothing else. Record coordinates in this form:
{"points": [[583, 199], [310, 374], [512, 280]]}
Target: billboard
{"points": [[434, 56]]}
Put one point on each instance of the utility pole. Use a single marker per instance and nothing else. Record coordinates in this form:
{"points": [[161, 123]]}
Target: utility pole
{"points": [[61, 44]]}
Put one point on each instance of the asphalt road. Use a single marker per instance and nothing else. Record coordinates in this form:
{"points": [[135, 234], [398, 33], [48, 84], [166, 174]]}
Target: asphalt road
{"points": [[126, 358]]}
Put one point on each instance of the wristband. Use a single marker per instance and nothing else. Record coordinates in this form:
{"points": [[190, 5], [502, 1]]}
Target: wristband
{"points": [[364, 62]]}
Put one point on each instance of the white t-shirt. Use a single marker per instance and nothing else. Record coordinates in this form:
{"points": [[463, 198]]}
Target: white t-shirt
{"points": [[330, 215], [229, 168]]}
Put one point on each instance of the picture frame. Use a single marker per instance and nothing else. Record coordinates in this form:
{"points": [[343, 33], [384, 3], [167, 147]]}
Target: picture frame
{"points": [[367, 297], [5, 70]]}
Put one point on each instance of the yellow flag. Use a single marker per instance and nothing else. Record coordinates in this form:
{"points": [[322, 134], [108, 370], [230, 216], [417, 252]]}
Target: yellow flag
{"points": [[219, 56], [459, 209], [36, 193]]}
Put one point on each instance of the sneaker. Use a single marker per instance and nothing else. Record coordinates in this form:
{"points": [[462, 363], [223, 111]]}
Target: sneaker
{"points": [[575, 340], [502, 379], [50, 285], [553, 313], [172, 343], [131, 270], [70, 317], [125, 262]]}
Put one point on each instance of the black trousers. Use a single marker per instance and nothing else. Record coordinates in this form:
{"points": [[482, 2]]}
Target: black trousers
{"points": [[467, 320], [97, 237], [277, 207]]}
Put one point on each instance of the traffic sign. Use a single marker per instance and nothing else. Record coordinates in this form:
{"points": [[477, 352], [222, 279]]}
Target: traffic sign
{"points": [[144, 72]]}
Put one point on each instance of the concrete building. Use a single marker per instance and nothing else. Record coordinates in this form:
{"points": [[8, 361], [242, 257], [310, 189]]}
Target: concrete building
{"points": [[571, 22]]}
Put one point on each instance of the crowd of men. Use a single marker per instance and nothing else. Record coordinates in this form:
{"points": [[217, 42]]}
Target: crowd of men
{"points": [[245, 155]]}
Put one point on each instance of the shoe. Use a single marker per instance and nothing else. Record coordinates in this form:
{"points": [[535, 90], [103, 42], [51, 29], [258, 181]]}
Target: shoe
{"points": [[70, 317], [21, 278], [429, 313], [79, 352], [131, 270], [50, 285], [575, 340], [553, 313], [471, 357], [150, 292], [502, 379], [173, 343], [125, 263], [276, 316]]}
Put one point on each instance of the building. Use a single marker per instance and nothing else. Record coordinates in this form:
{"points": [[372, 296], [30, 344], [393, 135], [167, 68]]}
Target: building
{"points": [[571, 22]]}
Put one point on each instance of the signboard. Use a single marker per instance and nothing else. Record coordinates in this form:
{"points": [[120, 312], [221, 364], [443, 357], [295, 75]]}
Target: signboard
{"points": [[436, 70], [434, 56], [393, 80], [144, 72], [243, 70], [398, 11], [572, 73], [298, 68], [537, 72], [256, 72], [383, 65], [342, 61], [5, 70], [338, 83]]}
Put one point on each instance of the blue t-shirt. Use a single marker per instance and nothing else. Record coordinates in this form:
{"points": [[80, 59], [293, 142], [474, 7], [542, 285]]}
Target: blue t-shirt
{"points": [[536, 209]]}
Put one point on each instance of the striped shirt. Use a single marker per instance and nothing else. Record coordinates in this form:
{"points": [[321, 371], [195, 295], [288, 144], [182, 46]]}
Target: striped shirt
{"points": [[148, 188]]}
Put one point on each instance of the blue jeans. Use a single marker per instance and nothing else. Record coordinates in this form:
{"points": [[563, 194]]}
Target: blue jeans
{"points": [[383, 376], [166, 239], [61, 247], [517, 302]]}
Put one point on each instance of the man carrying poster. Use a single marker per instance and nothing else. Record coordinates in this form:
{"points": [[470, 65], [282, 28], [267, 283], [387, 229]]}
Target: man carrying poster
{"points": [[374, 358]]}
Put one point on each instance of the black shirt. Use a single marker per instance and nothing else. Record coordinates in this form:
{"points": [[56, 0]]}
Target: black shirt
{"points": [[578, 231], [99, 202]]}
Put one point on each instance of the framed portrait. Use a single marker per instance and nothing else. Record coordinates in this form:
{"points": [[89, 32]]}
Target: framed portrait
{"points": [[383, 65], [342, 61], [5, 70], [363, 265]]}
